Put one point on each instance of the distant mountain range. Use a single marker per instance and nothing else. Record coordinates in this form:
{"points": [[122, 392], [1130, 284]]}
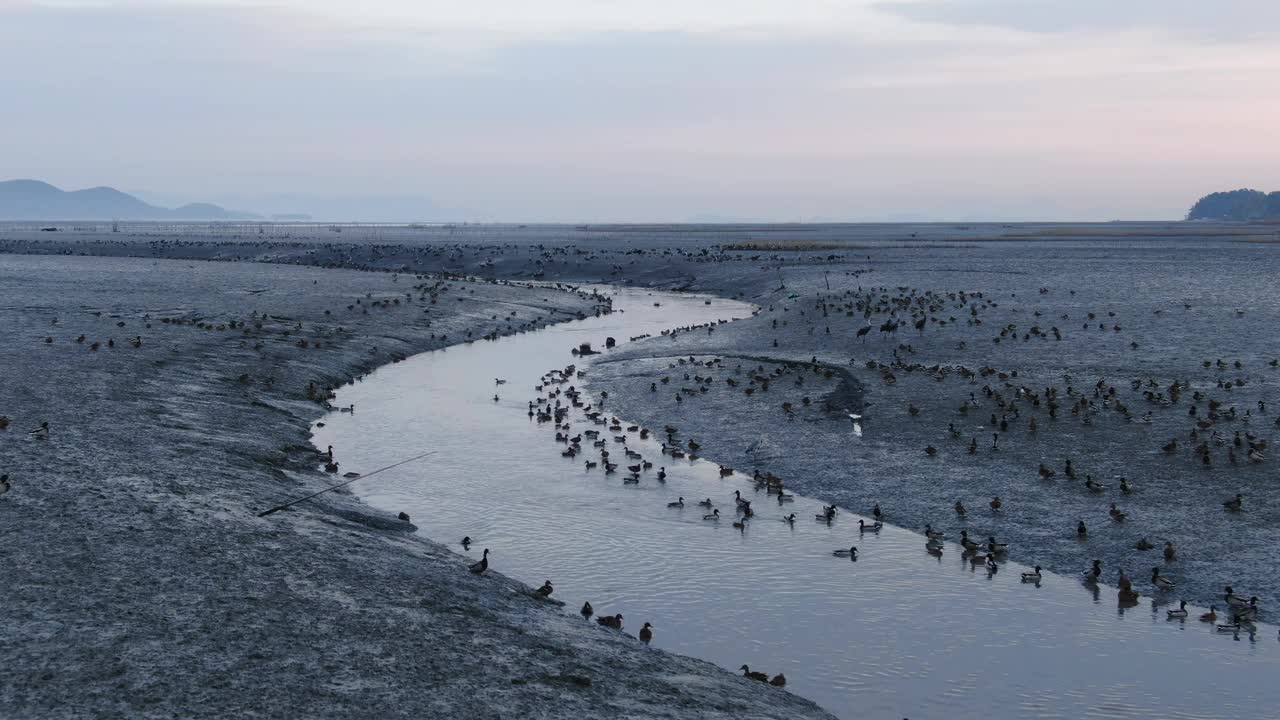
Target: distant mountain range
{"points": [[1243, 204], [36, 200]]}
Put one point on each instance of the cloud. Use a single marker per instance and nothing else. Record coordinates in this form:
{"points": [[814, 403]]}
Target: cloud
{"points": [[1219, 20], [614, 124]]}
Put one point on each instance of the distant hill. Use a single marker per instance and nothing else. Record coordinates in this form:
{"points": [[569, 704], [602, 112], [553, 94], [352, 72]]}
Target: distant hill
{"points": [[36, 200], [1237, 205]]}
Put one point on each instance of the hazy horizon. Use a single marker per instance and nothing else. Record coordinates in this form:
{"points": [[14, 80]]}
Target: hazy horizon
{"points": [[580, 111]]}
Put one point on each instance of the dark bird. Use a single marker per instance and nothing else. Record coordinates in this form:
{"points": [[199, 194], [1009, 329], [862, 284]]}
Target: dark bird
{"points": [[479, 567]]}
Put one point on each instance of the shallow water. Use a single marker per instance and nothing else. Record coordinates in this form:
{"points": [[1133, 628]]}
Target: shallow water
{"points": [[899, 633]]}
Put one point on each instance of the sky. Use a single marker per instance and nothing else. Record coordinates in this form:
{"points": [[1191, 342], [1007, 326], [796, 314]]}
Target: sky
{"points": [[649, 110]]}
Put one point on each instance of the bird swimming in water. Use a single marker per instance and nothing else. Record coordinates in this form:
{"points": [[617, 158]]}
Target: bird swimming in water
{"points": [[41, 433], [1032, 577], [851, 553]]}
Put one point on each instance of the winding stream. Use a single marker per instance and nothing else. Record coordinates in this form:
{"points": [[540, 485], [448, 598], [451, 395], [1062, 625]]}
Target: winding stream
{"points": [[899, 633]]}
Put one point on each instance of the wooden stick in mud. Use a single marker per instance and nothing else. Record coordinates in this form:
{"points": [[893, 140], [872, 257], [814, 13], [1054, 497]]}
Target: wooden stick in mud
{"points": [[278, 508]]}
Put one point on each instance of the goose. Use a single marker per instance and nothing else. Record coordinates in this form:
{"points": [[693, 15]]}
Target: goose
{"points": [[874, 527], [778, 680], [479, 567], [41, 433], [1161, 582], [1180, 613], [1170, 554], [1210, 616], [545, 590], [1234, 601], [5, 484], [932, 534], [850, 553], [715, 515], [587, 611], [614, 622], [705, 503], [1032, 577], [1235, 504], [746, 672], [1250, 611], [677, 504], [646, 633]]}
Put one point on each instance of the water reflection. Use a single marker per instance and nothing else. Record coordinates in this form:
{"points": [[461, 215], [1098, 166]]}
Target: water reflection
{"points": [[898, 633]]}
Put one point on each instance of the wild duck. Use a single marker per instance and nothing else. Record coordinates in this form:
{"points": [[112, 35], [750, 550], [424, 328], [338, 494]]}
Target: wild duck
{"points": [[874, 527], [1033, 576], [746, 672], [1180, 613], [677, 504], [646, 634], [1161, 582], [850, 553]]}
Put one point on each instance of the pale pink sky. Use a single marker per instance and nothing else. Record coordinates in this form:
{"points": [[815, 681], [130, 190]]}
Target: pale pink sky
{"points": [[602, 110]]}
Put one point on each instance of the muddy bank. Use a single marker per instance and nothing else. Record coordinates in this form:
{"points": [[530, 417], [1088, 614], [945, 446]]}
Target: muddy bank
{"points": [[139, 581]]}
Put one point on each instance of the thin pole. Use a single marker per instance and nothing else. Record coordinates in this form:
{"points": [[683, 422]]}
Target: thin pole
{"points": [[278, 508]]}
